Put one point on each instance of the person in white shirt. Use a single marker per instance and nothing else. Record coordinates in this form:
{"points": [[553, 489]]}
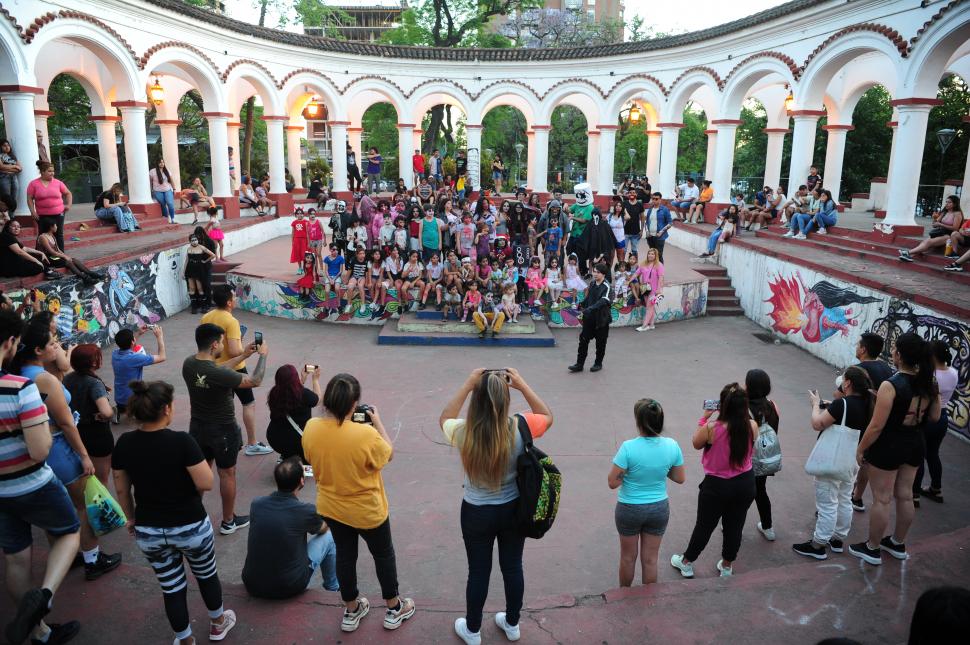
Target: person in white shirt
{"points": [[688, 196]]}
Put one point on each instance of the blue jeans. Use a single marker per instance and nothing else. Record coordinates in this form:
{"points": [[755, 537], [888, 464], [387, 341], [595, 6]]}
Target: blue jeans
{"points": [[712, 240], [323, 555], [167, 200], [632, 242], [684, 205], [804, 222], [121, 216]]}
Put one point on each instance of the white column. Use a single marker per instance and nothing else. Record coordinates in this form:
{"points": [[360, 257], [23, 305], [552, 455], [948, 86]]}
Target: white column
{"points": [[18, 117], [233, 138], [904, 170], [653, 154], [405, 148], [107, 149], [724, 159], [966, 169], [136, 152], [416, 139], [354, 137], [834, 157], [669, 133], [776, 144], [170, 148], [802, 146], [711, 154], [338, 143], [274, 145], [593, 159], [892, 147], [606, 155], [530, 158], [541, 158], [293, 158], [219, 154], [40, 122], [474, 134]]}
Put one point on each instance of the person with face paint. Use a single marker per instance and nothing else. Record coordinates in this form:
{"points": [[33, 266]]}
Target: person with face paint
{"points": [[195, 271], [596, 319]]}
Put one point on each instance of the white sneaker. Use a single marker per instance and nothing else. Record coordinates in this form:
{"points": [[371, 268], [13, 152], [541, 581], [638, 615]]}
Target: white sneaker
{"points": [[642, 328], [219, 632], [511, 631], [256, 449], [686, 569], [769, 534], [789, 234], [351, 619], [470, 637], [800, 236], [726, 572], [822, 231]]}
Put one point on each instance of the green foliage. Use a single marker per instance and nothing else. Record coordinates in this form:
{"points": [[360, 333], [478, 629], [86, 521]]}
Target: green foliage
{"points": [[956, 104], [692, 143], [867, 147], [380, 131], [502, 128], [567, 144], [409, 31], [315, 13], [317, 166], [454, 23]]}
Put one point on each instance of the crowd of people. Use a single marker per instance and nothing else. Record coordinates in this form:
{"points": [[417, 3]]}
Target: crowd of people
{"points": [[61, 410]]}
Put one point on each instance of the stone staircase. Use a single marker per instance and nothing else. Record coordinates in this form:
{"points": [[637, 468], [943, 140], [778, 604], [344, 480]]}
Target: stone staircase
{"points": [[722, 299], [429, 328]]}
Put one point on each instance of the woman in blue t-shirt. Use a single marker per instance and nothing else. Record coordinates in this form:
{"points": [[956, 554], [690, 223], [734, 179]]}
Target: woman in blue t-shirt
{"points": [[640, 470]]}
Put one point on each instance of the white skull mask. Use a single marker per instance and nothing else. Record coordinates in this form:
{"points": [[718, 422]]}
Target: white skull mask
{"points": [[584, 194], [341, 206]]}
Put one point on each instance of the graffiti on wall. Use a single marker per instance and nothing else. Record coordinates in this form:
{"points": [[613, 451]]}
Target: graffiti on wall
{"points": [[818, 312], [127, 298]]}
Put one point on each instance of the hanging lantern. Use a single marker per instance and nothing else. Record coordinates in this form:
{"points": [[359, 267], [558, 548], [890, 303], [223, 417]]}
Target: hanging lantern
{"points": [[789, 100], [315, 110], [635, 114], [156, 93]]}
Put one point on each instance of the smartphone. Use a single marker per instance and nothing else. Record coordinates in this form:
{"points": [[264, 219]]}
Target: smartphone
{"points": [[712, 404], [502, 372], [258, 338], [310, 369]]}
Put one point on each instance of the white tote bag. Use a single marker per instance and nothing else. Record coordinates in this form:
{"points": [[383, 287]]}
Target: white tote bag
{"points": [[833, 456]]}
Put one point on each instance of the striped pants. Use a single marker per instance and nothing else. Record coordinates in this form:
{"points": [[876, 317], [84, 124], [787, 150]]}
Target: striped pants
{"points": [[165, 549]]}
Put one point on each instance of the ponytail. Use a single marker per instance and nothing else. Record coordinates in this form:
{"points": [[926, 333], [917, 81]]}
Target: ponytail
{"points": [[342, 392], [149, 399], [917, 354]]}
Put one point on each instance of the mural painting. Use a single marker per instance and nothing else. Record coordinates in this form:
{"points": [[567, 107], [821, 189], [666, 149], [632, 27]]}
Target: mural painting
{"points": [[818, 312]]}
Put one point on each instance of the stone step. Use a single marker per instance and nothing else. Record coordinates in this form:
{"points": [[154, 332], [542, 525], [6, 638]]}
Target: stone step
{"points": [[723, 301], [720, 283], [409, 323], [717, 310], [463, 334]]}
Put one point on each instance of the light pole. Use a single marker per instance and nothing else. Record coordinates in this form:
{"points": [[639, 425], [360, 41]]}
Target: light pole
{"points": [[633, 153], [945, 136], [519, 147]]}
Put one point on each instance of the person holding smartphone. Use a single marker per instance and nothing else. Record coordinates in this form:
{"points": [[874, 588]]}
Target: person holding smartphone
{"points": [[489, 442], [291, 405]]}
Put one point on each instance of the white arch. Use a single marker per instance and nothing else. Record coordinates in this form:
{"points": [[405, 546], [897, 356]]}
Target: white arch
{"points": [[934, 49], [579, 95], [688, 89], [296, 95], [509, 94], [13, 63], [88, 37], [751, 73], [86, 69], [637, 87], [839, 55], [435, 93], [362, 94], [190, 67], [259, 82]]}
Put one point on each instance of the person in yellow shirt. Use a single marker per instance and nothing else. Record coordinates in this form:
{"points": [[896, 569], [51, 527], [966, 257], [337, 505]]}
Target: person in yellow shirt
{"points": [[348, 448], [696, 212]]}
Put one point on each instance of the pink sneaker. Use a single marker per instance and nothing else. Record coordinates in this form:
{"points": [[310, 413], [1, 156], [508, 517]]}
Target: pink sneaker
{"points": [[219, 632]]}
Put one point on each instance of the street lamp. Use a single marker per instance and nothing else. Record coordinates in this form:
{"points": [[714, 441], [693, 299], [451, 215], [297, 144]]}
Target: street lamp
{"points": [[945, 136], [633, 153], [519, 147], [789, 100], [156, 93]]}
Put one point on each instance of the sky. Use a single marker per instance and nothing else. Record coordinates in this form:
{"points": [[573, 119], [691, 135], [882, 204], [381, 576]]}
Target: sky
{"points": [[663, 15]]}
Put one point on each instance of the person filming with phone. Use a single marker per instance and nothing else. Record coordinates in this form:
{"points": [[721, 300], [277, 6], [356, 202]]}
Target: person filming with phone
{"points": [[348, 448], [291, 405]]}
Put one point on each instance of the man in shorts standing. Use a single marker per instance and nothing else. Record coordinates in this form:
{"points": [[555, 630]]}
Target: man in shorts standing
{"points": [[213, 417], [30, 495], [225, 301]]}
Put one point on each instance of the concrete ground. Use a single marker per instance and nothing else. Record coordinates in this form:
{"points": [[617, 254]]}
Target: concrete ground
{"points": [[775, 596]]}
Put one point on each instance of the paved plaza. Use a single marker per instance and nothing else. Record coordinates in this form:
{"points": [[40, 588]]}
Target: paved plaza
{"points": [[571, 594]]}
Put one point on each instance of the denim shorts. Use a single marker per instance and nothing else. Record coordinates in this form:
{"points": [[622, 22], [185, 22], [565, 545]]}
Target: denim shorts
{"points": [[49, 508], [64, 461], [634, 519]]}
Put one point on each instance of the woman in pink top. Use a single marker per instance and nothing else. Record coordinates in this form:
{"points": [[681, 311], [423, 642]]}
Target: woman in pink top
{"points": [[728, 487], [162, 190], [49, 198], [649, 286]]}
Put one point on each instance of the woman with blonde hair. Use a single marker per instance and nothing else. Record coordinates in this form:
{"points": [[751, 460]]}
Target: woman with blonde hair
{"points": [[489, 441]]}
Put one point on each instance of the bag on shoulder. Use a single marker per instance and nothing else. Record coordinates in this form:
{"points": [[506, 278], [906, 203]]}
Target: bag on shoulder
{"points": [[539, 483], [833, 455], [766, 459]]}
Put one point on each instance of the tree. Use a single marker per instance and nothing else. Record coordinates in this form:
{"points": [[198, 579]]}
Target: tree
{"points": [[956, 104], [315, 13], [560, 28], [567, 144]]}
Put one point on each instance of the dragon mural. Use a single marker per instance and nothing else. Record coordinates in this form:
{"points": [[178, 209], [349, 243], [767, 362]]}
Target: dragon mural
{"points": [[818, 312]]}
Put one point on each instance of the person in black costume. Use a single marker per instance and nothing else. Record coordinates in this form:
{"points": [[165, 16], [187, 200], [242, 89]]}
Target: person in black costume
{"points": [[596, 319], [596, 244]]}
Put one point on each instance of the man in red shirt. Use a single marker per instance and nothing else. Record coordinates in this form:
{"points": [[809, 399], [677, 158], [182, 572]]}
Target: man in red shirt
{"points": [[417, 161]]}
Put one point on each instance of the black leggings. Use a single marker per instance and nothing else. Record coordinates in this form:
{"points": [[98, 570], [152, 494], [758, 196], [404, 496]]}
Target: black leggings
{"points": [[177, 603], [480, 527], [381, 548], [725, 501], [933, 434], [353, 172], [762, 501]]}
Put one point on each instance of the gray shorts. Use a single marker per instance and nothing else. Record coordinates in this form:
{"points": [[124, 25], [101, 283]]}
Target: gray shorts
{"points": [[634, 519]]}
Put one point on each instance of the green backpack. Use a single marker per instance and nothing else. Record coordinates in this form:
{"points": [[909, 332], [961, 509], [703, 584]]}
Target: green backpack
{"points": [[540, 486]]}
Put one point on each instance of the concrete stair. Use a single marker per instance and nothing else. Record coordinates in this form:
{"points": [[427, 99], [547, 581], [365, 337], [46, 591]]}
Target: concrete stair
{"points": [[428, 328], [722, 300]]}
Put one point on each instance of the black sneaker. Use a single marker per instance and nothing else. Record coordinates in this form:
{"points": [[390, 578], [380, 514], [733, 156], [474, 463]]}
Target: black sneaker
{"points": [[596, 367], [858, 505], [810, 550], [102, 565], [898, 551], [60, 633], [238, 522], [836, 545], [953, 266], [576, 368], [862, 550], [33, 608]]}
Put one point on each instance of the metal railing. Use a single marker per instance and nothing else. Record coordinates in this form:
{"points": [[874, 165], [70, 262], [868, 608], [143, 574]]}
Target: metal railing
{"points": [[929, 198]]}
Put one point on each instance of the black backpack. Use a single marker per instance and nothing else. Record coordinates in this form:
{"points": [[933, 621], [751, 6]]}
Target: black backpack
{"points": [[540, 485]]}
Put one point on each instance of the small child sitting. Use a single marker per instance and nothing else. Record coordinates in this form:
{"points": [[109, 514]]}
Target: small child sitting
{"points": [[452, 302], [510, 307], [473, 298]]}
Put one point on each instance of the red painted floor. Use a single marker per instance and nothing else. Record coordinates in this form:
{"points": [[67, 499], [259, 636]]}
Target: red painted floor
{"points": [[774, 597]]}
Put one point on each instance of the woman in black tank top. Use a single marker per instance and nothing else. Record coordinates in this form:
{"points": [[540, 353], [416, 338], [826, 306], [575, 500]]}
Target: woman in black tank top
{"points": [[893, 446]]}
